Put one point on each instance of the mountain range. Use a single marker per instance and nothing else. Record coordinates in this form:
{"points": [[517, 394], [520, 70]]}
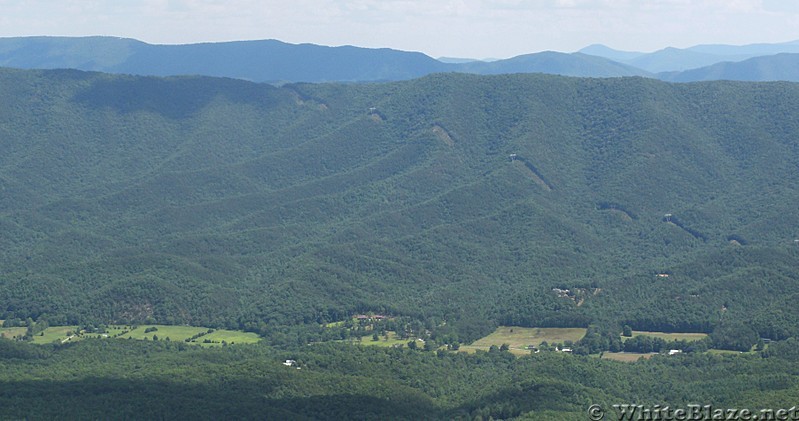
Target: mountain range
{"points": [[680, 59], [465, 198], [421, 213], [278, 62]]}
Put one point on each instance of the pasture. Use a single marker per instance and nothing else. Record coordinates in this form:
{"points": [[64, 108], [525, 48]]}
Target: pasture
{"points": [[54, 333], [626, 357], [202, 335], [391, 341], [12, 332], [519, 338], [161, 332], [232, 337], [678, 336]]}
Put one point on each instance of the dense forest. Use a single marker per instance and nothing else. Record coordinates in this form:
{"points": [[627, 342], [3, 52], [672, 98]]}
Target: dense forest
{"points": [[453, 203], [456, 198], [97, 379]]}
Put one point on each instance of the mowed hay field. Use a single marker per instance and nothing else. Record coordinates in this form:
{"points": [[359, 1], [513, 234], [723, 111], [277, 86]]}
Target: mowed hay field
{"points": [[391, 341], [55, 334], [671, 336], [519, 338], [627, 357], [174, 333], [181, 333], [12, 332]]}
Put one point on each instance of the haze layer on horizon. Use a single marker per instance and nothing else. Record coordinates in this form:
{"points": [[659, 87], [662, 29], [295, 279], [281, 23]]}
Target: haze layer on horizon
{"points": [[453, 28]]}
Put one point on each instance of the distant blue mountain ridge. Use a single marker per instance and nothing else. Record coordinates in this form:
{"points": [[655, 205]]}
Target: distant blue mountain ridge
{"points": [[277, 62], [675, 59]]}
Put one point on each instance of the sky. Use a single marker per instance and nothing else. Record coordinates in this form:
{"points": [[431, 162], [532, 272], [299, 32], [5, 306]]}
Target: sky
{"points": [[450, 28]]}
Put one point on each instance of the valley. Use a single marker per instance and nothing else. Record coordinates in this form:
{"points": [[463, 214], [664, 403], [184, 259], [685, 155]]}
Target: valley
{"points": [[456, 212]]}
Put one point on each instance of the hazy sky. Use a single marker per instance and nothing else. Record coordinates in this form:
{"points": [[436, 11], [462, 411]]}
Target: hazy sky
{"points": [[455, 28]]}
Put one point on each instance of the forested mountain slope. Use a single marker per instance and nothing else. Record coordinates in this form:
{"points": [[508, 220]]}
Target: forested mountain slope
{"points": [[765, 68], [462, 198]]}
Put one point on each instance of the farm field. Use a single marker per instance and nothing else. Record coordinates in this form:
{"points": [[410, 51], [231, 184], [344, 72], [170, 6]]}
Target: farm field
{"points": [[207, 337], [471, 349], [174, 333], [677, 336], [162, 332], [11, 332], [627, 357], [382, 341], [725, 352], [232, 337], [54, 333], [519, 338], [51, 334]]}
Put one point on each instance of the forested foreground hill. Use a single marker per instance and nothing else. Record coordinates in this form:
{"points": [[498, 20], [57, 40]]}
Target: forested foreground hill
{"points": [[162, 380], [451, 198]]}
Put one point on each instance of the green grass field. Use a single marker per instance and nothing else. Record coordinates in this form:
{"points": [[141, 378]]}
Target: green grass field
{"points": [[518, 338], [181, 333], [174, 333], [627, 357], [11, 332], [231, 337], [382, 341], [55, 334], [725, 352], [671, 336], [51, 334]]}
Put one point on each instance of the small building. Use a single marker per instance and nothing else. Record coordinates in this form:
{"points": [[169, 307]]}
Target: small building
{"points": [[290, 363], [370, 317], [675, 351]]}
